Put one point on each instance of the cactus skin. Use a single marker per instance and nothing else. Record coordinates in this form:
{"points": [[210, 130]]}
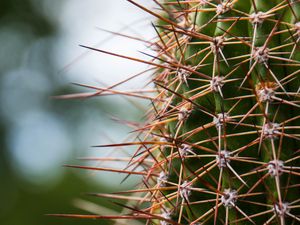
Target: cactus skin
{"points": [[222, 138]]}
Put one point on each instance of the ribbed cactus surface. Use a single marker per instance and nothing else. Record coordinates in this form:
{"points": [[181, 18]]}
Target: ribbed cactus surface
{"points": [[221, 143]]}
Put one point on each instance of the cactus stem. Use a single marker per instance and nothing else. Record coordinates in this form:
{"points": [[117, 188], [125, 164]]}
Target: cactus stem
{"points": [[221, 143]]}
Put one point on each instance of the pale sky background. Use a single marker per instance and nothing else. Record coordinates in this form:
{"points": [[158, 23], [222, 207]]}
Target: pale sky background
{"points": [[80, 21]]}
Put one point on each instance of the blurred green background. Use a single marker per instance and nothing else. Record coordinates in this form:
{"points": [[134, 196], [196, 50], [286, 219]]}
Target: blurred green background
{"points": [[39, 58]]}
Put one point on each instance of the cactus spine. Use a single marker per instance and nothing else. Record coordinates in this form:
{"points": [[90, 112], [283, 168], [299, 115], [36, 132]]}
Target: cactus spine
{"points": [[221, 144]]}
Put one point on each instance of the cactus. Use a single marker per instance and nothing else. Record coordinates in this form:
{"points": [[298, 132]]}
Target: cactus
{"points": [[221, 141]]}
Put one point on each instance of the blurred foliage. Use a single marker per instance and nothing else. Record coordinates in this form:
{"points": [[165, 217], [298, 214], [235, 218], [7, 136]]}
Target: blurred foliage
{"points": [[23, 11], [24, 203]]}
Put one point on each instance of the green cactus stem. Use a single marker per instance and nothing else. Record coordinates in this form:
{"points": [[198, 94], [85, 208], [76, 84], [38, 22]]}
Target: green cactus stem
{"points": [[221, 144]]}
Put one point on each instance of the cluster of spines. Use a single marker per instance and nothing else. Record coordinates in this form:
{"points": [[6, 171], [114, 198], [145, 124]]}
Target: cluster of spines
{"points": [[221, 144]]}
